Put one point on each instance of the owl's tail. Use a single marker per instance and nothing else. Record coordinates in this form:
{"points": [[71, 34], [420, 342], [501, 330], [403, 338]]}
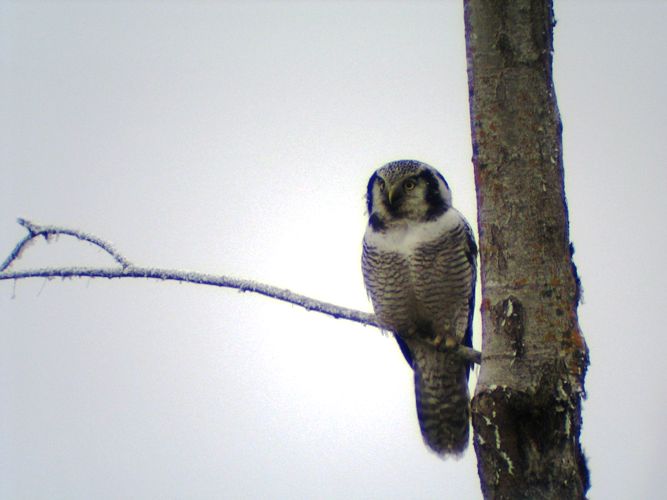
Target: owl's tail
{"points": [[443, 403]]}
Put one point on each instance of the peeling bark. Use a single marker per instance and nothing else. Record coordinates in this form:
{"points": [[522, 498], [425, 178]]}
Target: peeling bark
{"points": [[527, 405]]}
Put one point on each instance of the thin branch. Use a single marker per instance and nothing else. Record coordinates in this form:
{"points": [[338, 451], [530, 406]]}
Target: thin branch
{"points": [[199, 279], [35, 230], [129, 271]]}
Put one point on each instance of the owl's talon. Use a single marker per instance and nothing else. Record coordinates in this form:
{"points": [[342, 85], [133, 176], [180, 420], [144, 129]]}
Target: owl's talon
{"points": [[450, 342], [445, 342]]}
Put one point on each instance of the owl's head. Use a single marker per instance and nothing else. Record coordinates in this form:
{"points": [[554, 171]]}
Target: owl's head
{"points": [[406, 190]]}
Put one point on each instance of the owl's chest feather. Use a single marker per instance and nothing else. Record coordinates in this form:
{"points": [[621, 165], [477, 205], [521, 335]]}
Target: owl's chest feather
{"points": [[407, 238]]}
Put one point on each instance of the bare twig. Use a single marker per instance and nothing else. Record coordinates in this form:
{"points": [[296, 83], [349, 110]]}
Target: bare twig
{"points": [[35, 231], [127, 270]]}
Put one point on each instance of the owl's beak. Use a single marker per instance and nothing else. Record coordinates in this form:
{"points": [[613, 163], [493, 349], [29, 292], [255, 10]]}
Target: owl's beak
{"points": [[393, 195]]}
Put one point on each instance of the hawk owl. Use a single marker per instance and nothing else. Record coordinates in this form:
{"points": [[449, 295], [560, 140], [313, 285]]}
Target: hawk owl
{"points": [[419, 266]]}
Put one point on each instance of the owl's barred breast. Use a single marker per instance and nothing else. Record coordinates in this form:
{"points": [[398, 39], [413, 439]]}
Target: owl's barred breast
{"points": [[420, 283]]}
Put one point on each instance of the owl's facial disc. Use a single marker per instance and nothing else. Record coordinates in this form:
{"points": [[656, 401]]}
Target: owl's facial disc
{"points": [[406, 191], [403, 198], [398, 191]]}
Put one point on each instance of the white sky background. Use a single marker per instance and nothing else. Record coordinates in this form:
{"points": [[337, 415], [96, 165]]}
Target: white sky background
{"points": [[238, 139]]}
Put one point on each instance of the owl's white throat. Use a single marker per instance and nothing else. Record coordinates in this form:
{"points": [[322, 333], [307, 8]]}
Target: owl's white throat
{"points": [[404, 238]]}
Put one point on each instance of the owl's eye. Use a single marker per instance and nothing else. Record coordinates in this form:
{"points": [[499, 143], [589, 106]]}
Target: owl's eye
{"points": [[381, 185], [409, 185]]}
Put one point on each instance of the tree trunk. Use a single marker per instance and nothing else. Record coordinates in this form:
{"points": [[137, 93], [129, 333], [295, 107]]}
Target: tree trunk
{"points": [[527, 406]]}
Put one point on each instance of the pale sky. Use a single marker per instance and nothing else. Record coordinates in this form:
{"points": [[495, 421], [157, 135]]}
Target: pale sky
{"points": [[237, 138]]}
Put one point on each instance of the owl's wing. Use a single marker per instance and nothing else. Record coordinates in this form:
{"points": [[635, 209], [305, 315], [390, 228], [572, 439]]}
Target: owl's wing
{"points": [[471, 254], [405, 350]]}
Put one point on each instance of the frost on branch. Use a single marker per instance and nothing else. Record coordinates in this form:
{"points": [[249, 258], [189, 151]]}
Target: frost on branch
{"points": [[125, 269]]}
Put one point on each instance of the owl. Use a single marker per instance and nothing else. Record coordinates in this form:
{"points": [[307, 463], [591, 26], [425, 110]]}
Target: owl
{"points": [[419, 265]]}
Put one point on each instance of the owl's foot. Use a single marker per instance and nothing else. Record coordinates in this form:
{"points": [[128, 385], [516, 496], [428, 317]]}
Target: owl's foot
{"points": [[445, 342]]}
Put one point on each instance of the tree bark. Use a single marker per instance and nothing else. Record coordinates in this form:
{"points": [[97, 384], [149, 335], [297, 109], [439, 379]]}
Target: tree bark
{"points": [[526, 411]]}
